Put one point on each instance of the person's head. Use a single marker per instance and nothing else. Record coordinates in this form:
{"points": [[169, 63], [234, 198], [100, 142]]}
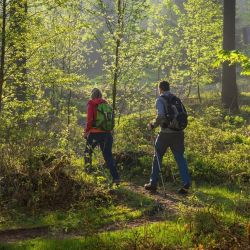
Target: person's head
{"points": [[163, 86], [96, 93]]}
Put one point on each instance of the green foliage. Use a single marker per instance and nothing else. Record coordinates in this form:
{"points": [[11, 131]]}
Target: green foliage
{"points": [[214, 219], [56, 52], [42, 180], [154, 236], [235, 57], [132, 130], [209, 230], [218, 152], [217, 146], [201, 25]]}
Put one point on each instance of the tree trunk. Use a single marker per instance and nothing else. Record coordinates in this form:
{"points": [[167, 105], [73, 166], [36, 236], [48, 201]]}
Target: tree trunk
{"points": [[199, 92], [68, 122], [229, 87], [3, 44], [117, 52], [189, 90], [18, 29]]}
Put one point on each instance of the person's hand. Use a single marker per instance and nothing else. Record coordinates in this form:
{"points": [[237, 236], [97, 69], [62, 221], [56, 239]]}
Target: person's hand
{"points": [[150, 126], [85, 135]]}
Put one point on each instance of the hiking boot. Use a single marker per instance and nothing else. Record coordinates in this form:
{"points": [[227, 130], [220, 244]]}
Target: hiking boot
{"points": [[184, 189], [150, 187]]}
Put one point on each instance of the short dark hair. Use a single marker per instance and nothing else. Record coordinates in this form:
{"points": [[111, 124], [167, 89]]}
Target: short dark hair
{"points": [[164, 85], [96, 93]]}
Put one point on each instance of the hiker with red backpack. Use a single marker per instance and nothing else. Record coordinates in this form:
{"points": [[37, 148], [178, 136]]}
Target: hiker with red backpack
{"points": [[172, 118], [99, 125]]}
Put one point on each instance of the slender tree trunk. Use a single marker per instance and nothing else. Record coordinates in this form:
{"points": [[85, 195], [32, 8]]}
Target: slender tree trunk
{"points": [[229, 87], [198, 84], [199, 92], [198, 66], [68, 108], [116, 73], [117, 52], [68, 122], [18, 29], [158, 74], [189, 90], [3, 43]]}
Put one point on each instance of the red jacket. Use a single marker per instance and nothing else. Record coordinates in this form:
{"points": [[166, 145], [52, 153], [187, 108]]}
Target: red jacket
{"points": [[91, 115]]}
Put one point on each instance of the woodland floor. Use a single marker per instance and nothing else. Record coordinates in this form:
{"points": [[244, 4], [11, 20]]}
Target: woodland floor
{"points": [[163, 204]]}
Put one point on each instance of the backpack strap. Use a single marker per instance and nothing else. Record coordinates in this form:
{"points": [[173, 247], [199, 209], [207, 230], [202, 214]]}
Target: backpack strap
{"points": [[167, 102]]}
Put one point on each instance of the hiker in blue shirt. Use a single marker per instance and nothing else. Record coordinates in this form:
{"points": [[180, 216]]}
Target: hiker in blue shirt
{"points": [[170, 136]]}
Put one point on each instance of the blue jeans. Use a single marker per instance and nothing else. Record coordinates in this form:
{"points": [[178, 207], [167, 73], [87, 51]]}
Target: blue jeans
{"points": [[176, 143], [105, 141]]}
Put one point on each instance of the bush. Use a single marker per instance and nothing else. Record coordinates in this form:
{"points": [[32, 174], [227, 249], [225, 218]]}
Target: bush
{"points": [[208, 229], [45, 181], [217, 146]]}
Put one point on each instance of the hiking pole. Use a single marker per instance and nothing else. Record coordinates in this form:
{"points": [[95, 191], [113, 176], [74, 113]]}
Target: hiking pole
{"points": [[160, 172], [159, 166]]}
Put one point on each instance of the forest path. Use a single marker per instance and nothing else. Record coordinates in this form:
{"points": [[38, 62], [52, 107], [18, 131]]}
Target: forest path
{"points": [[165, 206], [167, 201]]}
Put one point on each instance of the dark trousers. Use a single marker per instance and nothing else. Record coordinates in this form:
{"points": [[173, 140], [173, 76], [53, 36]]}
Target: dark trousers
{"points": [[105, 141], [174, 141]]}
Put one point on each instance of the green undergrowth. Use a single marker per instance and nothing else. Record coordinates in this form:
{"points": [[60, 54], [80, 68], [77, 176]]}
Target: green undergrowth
{"points": [[201, 229], [211, 217], [86, 219], [145, 237], [217, 146], [87, 216], [230, 202], [51, 189]]}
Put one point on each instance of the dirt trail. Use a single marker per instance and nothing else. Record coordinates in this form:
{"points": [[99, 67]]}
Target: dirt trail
{"points": [[168, 201], [13, 235], [163, 204]]}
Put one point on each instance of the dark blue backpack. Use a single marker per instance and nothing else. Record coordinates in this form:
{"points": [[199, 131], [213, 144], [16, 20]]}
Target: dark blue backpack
{"points": [[176, 114]]}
